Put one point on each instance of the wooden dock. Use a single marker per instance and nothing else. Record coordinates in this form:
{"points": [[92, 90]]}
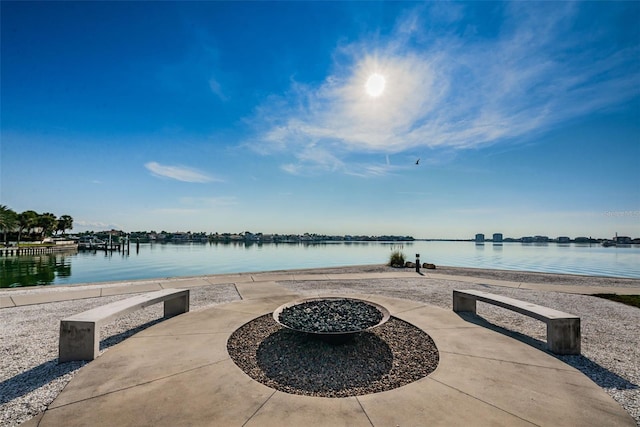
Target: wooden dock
{"points": [[106, 247], [121, 246], [37, 250]]}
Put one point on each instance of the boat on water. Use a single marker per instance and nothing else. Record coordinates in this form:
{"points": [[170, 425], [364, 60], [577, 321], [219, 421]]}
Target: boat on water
{"points": [[90, 242]]}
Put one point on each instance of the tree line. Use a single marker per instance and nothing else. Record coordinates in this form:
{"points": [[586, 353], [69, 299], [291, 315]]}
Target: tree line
{"points": [[32, 224]]}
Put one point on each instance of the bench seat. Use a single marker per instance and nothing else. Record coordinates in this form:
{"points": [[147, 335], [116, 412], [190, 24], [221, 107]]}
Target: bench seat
{"points": [[563, 329], [80, 333]]}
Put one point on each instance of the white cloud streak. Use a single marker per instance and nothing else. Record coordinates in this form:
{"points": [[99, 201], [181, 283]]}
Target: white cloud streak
{"points": [[209, 202], [448, 92], [82, 225], [179, 173]]}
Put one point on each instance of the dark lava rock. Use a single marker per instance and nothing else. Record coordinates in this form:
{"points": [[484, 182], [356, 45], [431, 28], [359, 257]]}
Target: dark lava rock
{"points": [[331, 315]]}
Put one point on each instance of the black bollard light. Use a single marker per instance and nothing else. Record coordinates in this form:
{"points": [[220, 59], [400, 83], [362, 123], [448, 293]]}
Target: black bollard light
{"points": [[417, 263]]}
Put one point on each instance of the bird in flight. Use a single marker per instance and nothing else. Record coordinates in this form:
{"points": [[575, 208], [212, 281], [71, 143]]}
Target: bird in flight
{"points": [[418, 162]]}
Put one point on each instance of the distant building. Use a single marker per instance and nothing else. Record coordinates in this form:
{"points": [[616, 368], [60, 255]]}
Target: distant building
{"points": [[181, 237], [623, 240], [541, 239], [564, 239], [250, 237], [479, 238], [527, 239], [497, 237]]}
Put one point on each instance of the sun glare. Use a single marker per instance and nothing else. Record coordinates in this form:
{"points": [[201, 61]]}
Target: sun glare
{"points": [[375, 85]]}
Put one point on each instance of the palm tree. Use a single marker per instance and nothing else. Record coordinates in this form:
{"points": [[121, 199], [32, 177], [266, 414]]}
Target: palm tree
{"points": [[65, 222], [26, 221], [8, 220]]}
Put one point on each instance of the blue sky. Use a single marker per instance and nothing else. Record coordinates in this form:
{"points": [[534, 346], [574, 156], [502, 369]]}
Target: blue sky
{"points": [[215, 116]]}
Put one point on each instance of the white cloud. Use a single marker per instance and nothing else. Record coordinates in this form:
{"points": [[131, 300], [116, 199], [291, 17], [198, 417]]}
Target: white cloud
{"points": [[215, 87], [179, 173], [293, 169], [370, 170], [84, 225], [176, 211], [209, 202], [447, 92], [197, 69]]}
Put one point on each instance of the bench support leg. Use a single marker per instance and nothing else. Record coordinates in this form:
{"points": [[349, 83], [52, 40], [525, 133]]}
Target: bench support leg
{"points": [[563, 336], [175, 306], [463, 303], [78, 341]]}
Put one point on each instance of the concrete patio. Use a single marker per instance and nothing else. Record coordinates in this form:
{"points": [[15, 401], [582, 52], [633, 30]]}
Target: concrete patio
{"points": [[178, 372]]}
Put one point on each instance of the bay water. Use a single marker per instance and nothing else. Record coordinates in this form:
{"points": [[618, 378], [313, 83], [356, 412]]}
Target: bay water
{"points": [[194, 259]]}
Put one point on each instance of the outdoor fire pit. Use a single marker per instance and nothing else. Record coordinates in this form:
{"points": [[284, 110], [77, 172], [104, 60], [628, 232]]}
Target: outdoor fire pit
{"points": [[334, 320]]}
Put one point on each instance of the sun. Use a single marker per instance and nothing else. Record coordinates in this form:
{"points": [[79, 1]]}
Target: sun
{"points": [[375, 85]]}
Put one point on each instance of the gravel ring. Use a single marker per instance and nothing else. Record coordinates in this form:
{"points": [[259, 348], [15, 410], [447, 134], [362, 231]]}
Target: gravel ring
{"points": [[387, 357]]}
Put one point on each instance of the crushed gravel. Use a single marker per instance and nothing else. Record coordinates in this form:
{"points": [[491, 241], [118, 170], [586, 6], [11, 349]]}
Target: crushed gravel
{"points": [[540, 278]]}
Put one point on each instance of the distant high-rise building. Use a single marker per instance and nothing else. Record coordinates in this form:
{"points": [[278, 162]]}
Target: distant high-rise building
{"points": [[479, 238], [497, 237]]}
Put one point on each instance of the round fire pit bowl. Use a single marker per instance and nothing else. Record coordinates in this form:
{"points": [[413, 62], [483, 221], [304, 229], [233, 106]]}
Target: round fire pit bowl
{"points": [[335, 320]]}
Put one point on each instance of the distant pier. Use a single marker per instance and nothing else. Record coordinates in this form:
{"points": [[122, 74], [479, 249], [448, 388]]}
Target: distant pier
{"points": [[113, 247]]}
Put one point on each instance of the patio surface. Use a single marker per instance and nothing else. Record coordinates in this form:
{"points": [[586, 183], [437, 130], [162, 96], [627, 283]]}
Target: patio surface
{"points": [[178, 373]]}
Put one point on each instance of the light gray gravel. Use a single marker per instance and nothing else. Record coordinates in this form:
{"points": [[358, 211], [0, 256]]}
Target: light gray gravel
{"points": [[534, 277], [30, 377]]}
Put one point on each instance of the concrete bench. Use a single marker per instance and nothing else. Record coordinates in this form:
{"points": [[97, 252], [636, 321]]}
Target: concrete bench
{"points": [[563, 329], [80, 333]]}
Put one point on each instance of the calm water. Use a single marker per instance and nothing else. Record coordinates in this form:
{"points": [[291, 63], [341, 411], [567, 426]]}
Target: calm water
{"points": [[170, 260]]}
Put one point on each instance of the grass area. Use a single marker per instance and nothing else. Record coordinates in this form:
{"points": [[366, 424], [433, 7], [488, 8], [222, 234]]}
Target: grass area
{"points": [[632, 300], [396, 259]]}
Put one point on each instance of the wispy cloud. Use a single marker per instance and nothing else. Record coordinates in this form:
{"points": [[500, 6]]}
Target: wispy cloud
{"points": [[209, 202], [191, 206], [198, 69], [449, 91], [94, 225], [176, 211], [179, 173], [215, 87]]}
